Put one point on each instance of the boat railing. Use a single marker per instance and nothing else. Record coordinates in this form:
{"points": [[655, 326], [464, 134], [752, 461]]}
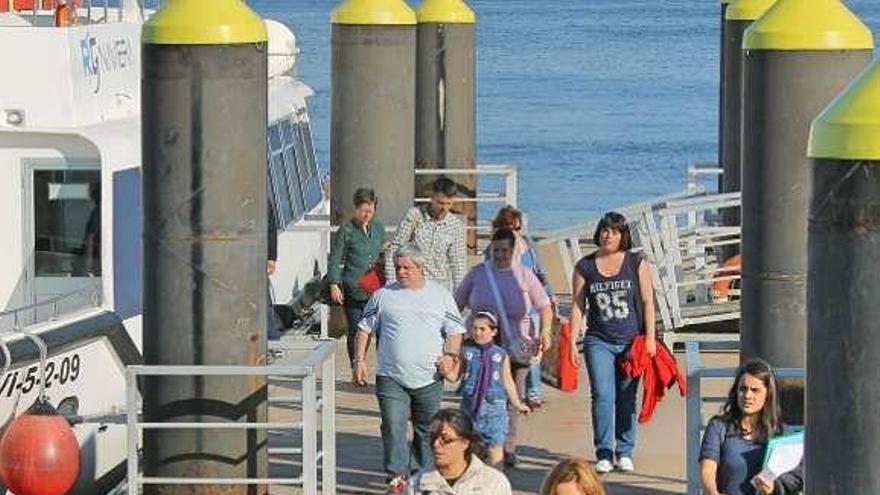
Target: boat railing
{"points": [[49, 309], [89, 12], [696, 417], [297, 362]]}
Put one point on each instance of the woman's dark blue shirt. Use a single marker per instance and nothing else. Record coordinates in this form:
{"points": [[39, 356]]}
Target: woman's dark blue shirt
{"points": [[612, 309], [738, 459]]}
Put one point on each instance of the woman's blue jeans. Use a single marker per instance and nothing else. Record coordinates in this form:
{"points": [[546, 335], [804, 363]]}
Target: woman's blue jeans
{"points": [[533, 383], [613, 399], [354, 311]]}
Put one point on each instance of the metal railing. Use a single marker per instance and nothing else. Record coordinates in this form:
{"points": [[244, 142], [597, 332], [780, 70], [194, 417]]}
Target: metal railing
{"points": [[696, 373], [50, 309], [320, 358], [686, 256], [680, 235], [96, 11], [507, 197]]}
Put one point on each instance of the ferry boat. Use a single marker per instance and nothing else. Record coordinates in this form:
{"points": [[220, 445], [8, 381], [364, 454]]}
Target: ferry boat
{"points": [[70, 196]]}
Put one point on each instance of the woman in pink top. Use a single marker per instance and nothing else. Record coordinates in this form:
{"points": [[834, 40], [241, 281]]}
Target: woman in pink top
{"points": [[511, 291]]}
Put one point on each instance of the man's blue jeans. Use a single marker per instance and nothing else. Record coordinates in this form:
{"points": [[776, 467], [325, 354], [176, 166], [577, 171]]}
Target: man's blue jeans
{"points": [[397, 405], [613, 399]]}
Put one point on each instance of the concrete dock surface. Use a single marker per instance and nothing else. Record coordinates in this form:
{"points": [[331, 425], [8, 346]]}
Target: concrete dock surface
{"points": [[561, 428]]}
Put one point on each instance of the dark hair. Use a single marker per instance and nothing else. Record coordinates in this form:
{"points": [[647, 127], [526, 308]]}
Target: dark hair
{"points": [[614, 221], [446, 187], [461, 423], [493, 323], [489, 315], [504, 235], [507, 215], [364, 195], [769, 424]]}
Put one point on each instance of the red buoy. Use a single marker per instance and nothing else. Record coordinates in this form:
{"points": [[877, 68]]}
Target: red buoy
{"points": [[39, 455]]}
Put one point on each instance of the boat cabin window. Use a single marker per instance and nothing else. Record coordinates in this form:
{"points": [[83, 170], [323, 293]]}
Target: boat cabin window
{"points": [[294, 185], [67, 223], [307, 166], [288, 154]]}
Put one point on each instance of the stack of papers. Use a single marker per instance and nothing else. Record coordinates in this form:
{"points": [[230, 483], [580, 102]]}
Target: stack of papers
{"points": [[784, 453]]}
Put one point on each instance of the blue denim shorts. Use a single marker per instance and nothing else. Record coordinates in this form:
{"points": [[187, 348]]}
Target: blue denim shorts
{"points": [[491, 423]]}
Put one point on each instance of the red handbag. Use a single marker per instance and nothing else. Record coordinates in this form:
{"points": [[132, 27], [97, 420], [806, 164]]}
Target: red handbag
{"points": [[372, 280], [568, 373]]}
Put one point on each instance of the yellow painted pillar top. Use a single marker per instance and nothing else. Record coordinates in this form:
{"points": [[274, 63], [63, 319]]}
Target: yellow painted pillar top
{"points": [[746, 10], [373, 12], [808, 25], [446, 12], [849, 128], [204, 22]]}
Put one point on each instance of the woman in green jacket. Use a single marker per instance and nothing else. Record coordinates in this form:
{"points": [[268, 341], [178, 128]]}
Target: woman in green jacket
{"points": [[356, 247]]}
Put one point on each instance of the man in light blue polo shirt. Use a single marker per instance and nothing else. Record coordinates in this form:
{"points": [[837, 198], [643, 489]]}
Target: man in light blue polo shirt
{"points": [[420, 332]]}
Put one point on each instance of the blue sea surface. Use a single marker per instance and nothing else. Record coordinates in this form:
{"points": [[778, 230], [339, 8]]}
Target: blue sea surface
{"points": [[599, 103]]}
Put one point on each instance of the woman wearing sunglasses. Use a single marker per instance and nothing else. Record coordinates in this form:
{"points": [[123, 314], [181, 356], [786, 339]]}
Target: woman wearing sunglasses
{"points": [[457, 467]]}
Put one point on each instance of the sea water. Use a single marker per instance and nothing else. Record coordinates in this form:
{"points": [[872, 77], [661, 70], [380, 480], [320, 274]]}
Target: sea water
{"points": [[599, 103]]}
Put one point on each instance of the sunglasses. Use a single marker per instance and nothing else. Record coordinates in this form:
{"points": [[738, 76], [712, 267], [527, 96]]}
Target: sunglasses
{"points": [[444, 440]]}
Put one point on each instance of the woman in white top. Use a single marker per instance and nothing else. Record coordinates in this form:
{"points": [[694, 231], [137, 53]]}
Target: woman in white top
{"points": [[457, 469]]}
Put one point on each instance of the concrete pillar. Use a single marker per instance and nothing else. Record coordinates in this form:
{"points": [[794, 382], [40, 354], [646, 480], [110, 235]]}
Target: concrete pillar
{"points": [[739, 16], [372, 131], [446, 98], [843, 380], [723, 36], [798, 56], [205, 213]]}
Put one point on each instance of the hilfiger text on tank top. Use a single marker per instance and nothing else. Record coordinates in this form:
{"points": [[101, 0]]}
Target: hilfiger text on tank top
{"points": [[611, 298]]}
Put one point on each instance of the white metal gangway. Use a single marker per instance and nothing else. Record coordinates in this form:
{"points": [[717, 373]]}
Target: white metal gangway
{"points": [[682, 236]]}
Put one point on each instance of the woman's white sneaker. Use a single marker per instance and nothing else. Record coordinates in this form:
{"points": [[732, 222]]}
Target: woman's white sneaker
{"points": [[625, 464], [604, 466]]}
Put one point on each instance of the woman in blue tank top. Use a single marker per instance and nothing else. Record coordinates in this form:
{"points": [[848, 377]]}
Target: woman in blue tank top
{"points": [[612, 287]]}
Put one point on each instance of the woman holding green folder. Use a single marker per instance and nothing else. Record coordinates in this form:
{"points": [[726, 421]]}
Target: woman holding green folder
{"points": [[735, 441]]}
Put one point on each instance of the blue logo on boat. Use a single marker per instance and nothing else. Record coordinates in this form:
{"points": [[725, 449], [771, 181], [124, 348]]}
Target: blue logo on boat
{"points": [[104, 56]]}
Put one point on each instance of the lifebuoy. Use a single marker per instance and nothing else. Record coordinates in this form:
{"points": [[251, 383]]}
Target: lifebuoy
{"points": [[721, 289]]}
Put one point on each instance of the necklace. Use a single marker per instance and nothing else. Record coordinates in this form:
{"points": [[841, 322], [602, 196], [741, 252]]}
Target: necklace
{"points": [[745, 429]]}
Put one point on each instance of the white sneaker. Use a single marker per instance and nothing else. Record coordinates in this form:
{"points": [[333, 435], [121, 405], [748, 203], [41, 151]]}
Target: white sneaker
{"points": [[604, 466], [625, 464]]}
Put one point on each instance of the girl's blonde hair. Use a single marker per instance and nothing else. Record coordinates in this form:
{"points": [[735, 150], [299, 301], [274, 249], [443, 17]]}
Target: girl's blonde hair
{"points": [[575, 469]]}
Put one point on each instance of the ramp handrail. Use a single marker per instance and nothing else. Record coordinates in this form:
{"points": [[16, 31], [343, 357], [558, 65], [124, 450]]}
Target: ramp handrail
{"points": [[681, 236], [696, 372], [507, 197], [321, 358]]}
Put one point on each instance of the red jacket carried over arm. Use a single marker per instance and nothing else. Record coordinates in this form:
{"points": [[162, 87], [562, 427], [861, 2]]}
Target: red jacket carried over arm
{"points": [[657, 373]]}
